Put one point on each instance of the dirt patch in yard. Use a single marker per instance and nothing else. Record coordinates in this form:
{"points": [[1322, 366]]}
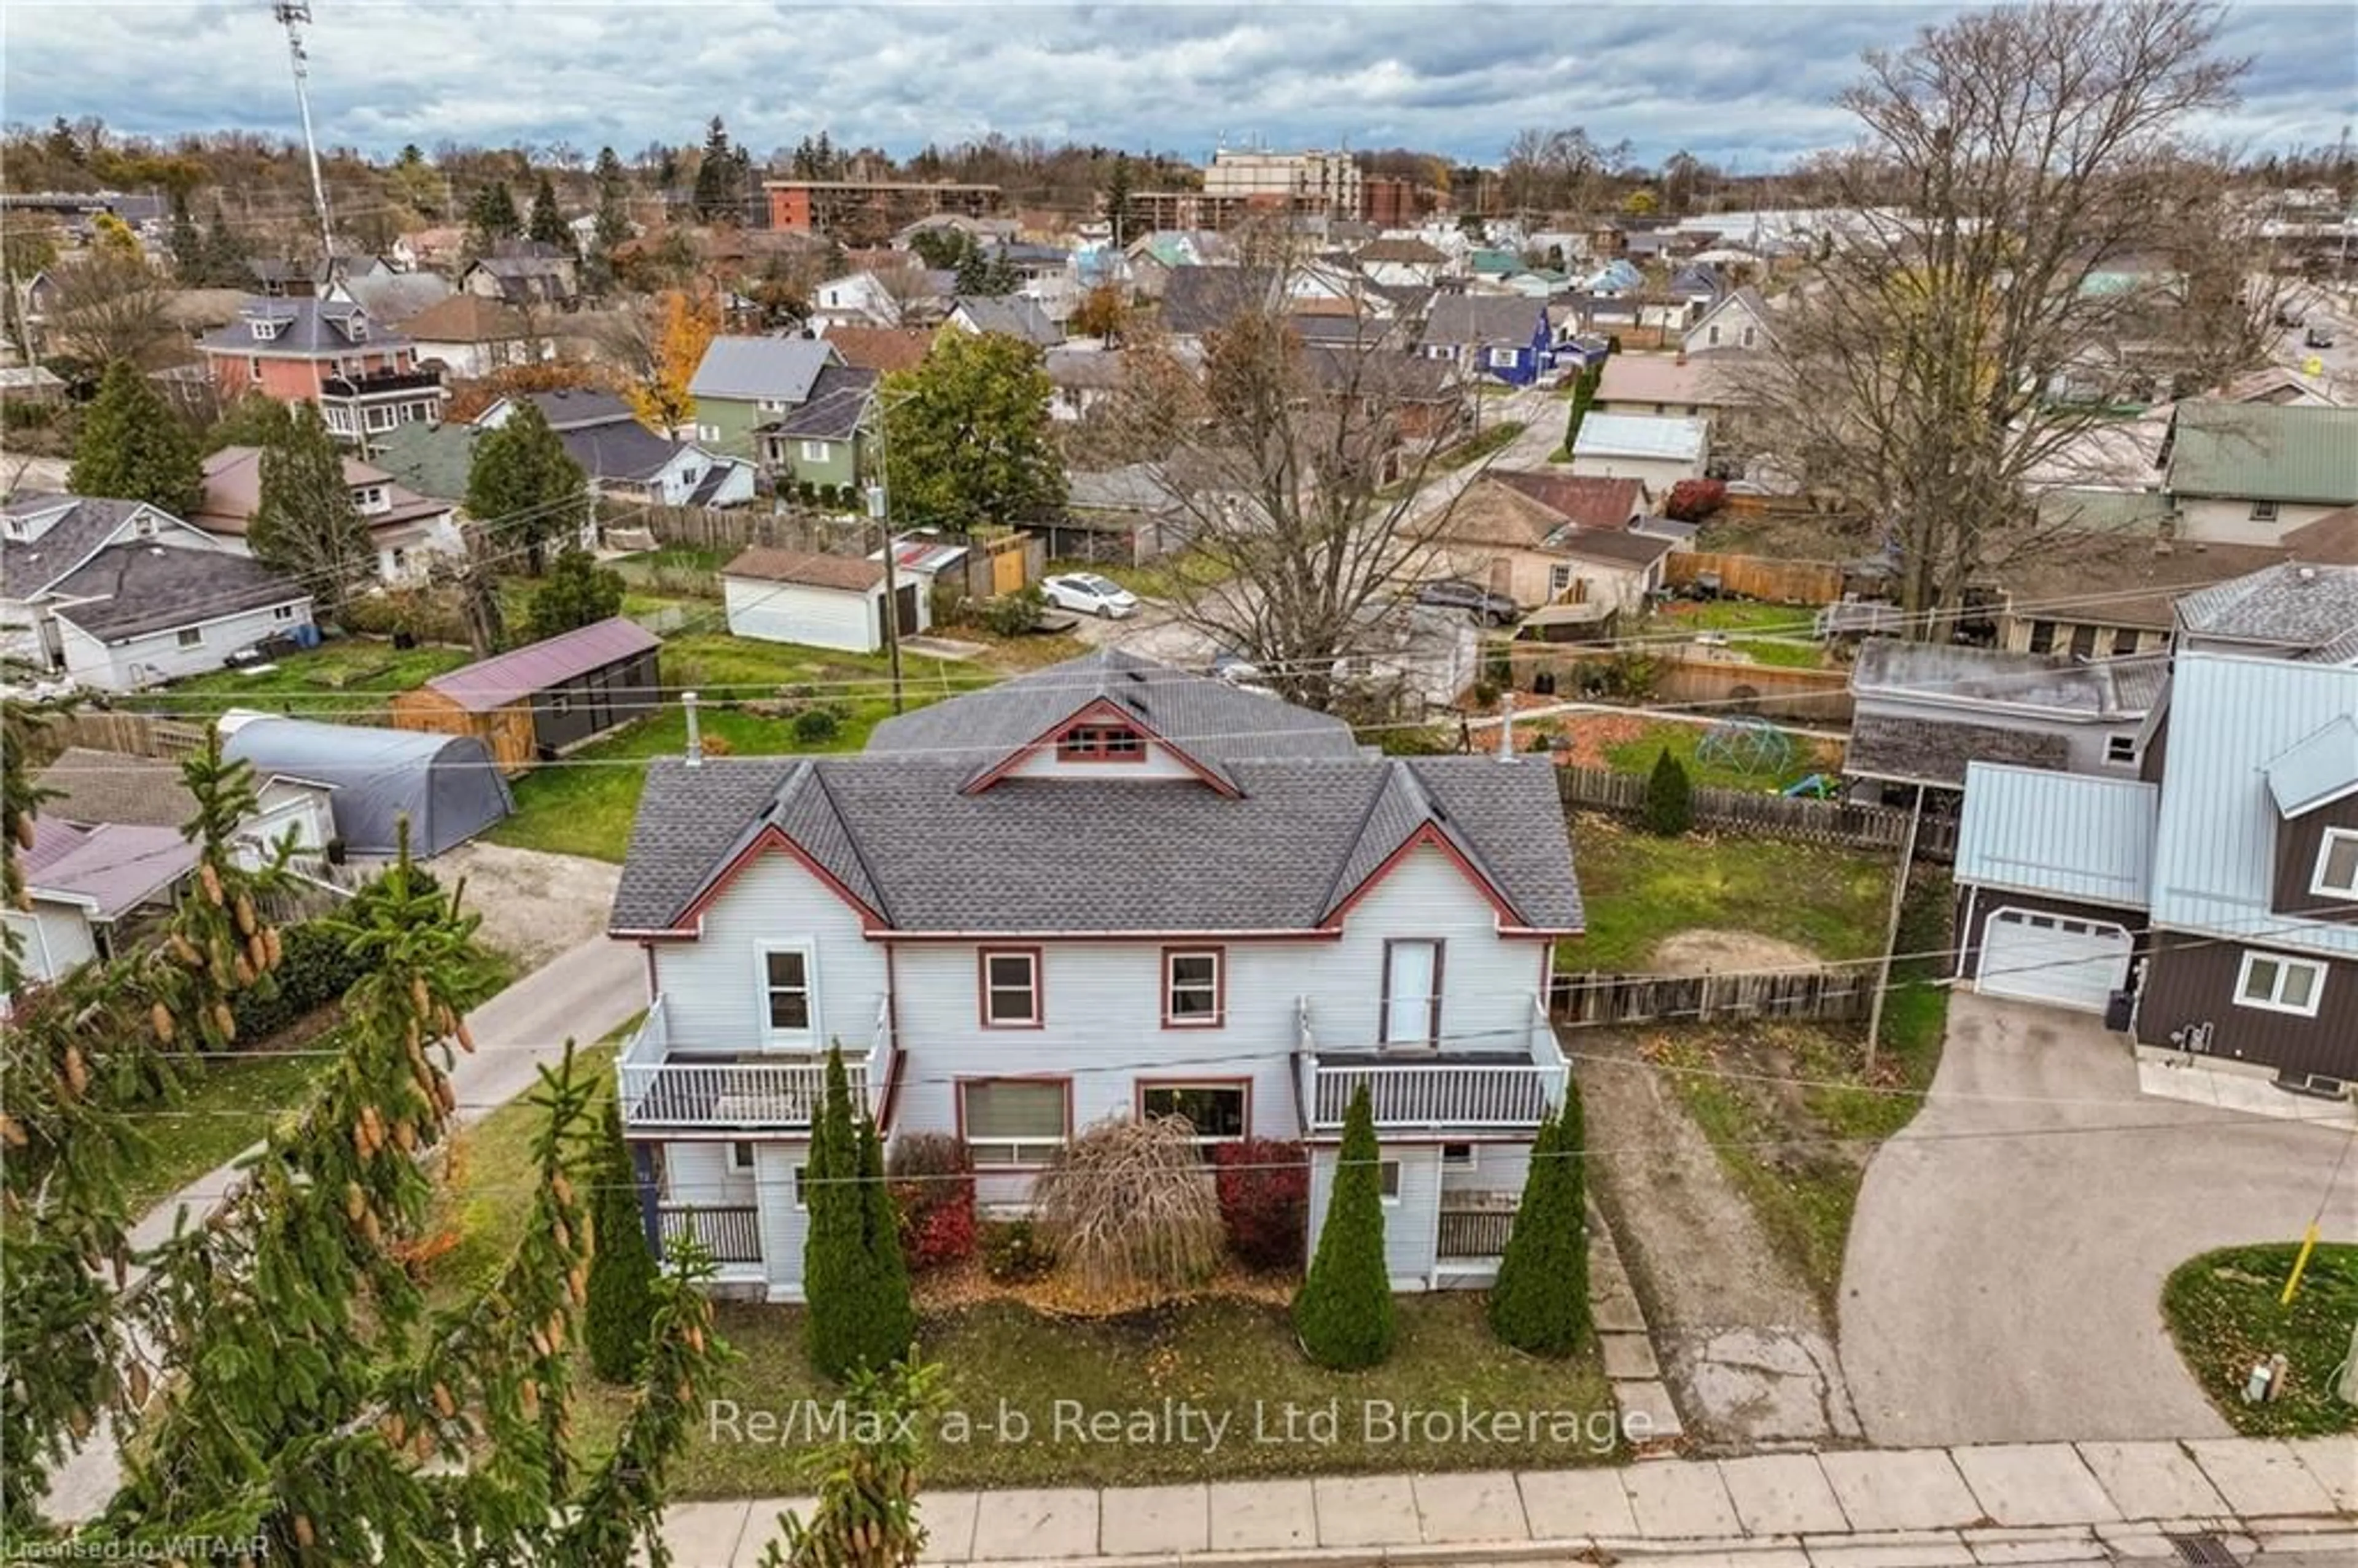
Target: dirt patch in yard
{"points": [[1723, 952], [534, 905]]}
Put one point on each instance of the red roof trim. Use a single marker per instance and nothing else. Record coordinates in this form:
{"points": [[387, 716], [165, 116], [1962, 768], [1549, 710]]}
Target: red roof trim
{"points": [[1429, 834], [1104, 710], [771, 838]]}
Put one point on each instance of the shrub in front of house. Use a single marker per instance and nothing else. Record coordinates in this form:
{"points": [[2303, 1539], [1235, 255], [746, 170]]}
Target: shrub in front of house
{"points": [[1541, 1301], [1264, 1185], [315, 968], [816, 727], [1342, 1313], [1013, 1251], [621, 1269], [932, 1186], [1669, 797], [853, 1272], [1014, 614], [1128, 1207]]}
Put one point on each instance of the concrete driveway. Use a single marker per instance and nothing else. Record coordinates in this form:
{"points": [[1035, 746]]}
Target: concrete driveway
{"points": [[2005, 1270]]}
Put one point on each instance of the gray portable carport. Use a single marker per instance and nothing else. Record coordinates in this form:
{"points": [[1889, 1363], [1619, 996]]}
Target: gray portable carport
{"points": [[447, 785]]}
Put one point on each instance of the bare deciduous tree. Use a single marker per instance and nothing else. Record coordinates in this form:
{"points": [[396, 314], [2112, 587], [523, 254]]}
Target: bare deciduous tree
{"points": [[2022, 260], [105, 307]]}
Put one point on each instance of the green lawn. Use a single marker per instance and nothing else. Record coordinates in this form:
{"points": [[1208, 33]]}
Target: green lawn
{"points": [[1781, 653], [489, 1168], [1474, 448], [1731, 615], [1156, 578], [227, 1107], [1637, 755], [2223, 1311], [352, 678], [1638, 889]]}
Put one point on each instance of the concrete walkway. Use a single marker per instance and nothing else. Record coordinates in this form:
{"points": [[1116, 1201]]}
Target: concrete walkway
{"points": [[581, 994], [1927, 1507]]}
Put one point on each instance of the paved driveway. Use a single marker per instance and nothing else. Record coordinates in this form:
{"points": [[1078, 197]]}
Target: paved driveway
{"points": [[2005, 1270]]}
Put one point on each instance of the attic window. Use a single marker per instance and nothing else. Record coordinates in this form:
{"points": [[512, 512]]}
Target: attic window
{"points": [[264, 329], [356, 328], [1100, 743]]}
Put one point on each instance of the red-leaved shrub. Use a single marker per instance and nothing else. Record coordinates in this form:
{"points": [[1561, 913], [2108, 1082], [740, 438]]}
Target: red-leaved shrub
{"points": [[932, 1188], [1694, 499], [1264, 1190]]}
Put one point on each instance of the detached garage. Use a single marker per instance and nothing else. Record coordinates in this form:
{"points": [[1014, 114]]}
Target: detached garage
{"points": [[822, 602], [2053, 874]]}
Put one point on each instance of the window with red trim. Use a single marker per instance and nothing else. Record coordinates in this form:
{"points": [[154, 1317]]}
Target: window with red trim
{"points": [[1100, 743], [1011, 987]]}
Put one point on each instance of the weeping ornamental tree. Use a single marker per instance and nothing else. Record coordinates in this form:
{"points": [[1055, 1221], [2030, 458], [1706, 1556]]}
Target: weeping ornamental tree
{"points": [[1342, 1313], [1541, 1301], [1130, 1206]]}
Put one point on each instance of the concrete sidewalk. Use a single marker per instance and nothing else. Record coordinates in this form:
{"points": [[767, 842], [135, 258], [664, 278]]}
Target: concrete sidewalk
{"points": [[1927, 1507]]}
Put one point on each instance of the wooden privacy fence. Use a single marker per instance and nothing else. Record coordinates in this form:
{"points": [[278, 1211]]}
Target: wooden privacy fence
{"points": [[702, 528], [129, 734], [1843, 823], [1759, 576], [1839, 993]]}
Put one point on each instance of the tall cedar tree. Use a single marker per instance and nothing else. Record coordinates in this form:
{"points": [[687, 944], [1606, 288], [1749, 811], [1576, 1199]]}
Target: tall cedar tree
{"points": [[547, 224], [577, 592], [1669, 797], [523, 488], [621, 1270], [969, 440], [304, 523], [225, 252], [187, 245], [719, 178], [492, 217], [1541, 1301], [135, 447], [835, 1257], [1342, 1313], [891, 1326]]}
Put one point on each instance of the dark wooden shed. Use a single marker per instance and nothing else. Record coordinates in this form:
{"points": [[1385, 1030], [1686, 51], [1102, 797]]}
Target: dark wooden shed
{"points": [[532, 702]]}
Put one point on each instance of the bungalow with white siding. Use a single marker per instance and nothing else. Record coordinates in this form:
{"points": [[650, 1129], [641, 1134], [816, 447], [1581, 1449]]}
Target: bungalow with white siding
{"points": [[83, 885], [1177, 897]]}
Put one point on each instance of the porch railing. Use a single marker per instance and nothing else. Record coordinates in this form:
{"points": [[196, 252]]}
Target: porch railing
{"points": [[1438, 1089], [731, 1233], [661, 1089], [1473, 1232]]}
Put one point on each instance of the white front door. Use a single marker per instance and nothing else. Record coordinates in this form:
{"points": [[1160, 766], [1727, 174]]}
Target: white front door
{"points": [[1412, 969], [2053, 958]]}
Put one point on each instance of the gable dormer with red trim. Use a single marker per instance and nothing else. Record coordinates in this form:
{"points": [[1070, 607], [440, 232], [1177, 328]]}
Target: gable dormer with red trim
{"points": [[1102, 741]]}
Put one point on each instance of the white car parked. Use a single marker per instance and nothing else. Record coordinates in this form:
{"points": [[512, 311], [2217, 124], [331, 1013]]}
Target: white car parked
{"points": [[1091, 595]]}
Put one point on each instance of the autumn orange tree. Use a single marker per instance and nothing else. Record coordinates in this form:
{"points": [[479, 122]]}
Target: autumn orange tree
{"points": [[686, 326]]}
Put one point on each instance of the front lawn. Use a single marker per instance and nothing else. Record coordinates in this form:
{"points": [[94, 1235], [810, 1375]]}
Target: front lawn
{"points": [[1638, 889], [229, 1104], [2223, 1311], [351, 679]]}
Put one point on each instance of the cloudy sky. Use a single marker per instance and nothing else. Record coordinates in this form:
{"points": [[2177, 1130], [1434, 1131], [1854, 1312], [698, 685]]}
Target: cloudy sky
{"points": [[1745, 85]]}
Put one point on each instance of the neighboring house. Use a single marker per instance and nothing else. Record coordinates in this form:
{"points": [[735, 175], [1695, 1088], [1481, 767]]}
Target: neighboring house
{"points": [[90, 787], [884, 350], [1514, 544], [743, 383], [1125, 516], [430, 459], [1923, 711], [530, 704], [539, 277], [2242, 912], [2251, 472], [1506, 338], [1598, 505], [393, 298], [821, 601], [405, 530], [1010, 316], [120, 595], [1082, 379], [366, 379], [1659, 451], [1739, 321], [1200, 902], [623, 459], [2293, 609], [1197, 300], [1425, 402], [818, 441], [86, 890], [855, 299], [1401, 262], [471, 337], [1665, 384]]}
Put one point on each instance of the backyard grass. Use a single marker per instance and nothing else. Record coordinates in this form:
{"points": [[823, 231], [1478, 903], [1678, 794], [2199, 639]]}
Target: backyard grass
{"points": [[351, 679], [2223, 1311], [1637, 752], [1156, 578], [1781, 653], [227, 1107], [1681, 615], [1638, 889]]}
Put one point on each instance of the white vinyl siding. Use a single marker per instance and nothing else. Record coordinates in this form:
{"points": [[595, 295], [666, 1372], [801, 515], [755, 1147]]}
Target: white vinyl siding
{"points": [[1487, 985], [1410, 1221], [711, 987], [161, 656], [785, 1224], [56, 938], [792, 612]]}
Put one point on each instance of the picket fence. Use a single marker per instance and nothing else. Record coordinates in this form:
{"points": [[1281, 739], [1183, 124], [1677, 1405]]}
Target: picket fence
{"points": [[1841, 823]]}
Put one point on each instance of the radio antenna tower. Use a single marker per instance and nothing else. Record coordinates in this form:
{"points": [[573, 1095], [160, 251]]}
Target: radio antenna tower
{"points": [[294, 15]]}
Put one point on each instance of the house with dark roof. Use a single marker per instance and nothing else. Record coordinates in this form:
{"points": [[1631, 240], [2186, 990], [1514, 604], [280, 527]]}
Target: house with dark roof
{"points": [[742, 383], [531, 703], [119, 595], [1503, 337], [405, 530], [818, 441], [366, 378], [1923, 711], [527, 274], [623, 459], [1200, 902]]}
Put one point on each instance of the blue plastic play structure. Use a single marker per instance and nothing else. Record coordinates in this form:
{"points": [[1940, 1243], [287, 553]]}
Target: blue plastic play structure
{"points": [[1817, 786]]}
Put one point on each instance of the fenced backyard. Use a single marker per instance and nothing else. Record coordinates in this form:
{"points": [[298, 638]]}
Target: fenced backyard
{"points": [[1841, 823], [1834, 992]]}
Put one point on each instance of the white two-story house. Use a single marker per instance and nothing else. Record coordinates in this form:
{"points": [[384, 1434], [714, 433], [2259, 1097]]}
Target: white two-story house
{"points": [[1105, 888]]}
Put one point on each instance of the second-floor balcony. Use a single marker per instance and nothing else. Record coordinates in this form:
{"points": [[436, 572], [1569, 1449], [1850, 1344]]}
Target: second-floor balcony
{"points": [[663, 1086], [1513, 1081], [381, 384]]}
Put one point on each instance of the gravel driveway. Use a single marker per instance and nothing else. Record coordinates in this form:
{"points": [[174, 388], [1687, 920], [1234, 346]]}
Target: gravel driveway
{"points": [[534, 905], [2003, 1275]]}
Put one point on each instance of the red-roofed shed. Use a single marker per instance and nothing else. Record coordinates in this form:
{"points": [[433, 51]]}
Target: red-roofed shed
{"points": [[530, 703]]}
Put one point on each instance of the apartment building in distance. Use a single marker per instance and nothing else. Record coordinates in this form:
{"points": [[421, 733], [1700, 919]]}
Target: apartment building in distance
{"points": [[870, 211]]}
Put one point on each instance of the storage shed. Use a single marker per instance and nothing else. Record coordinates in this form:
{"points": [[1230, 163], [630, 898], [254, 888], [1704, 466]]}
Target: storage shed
{"points": [[447, 785], [531, 702], [823, 601]]}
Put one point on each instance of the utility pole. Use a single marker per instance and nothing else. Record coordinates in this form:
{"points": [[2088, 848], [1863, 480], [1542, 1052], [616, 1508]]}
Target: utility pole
{"points": [[294, 15]]}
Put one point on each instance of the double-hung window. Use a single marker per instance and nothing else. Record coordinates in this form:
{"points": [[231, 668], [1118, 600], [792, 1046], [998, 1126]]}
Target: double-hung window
{"points": [[1193, 987], [1411, 993], [1216, 1111], [2277, 982], [2337, 864], [790, 995], [817, 452], [1100, 743], [1011, 989], [1014, 1122]]}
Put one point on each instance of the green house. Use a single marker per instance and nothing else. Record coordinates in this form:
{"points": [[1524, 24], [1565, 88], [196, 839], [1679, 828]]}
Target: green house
{"points": [[743, 383], [818, 441]]}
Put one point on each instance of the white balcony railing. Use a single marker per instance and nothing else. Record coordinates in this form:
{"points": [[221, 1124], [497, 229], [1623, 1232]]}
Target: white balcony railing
{"points": [[660, 1088], [1437, 1089]]}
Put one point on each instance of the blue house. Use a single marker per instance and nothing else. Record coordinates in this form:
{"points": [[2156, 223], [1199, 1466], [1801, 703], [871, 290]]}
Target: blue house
{"points": [[1504, 337]]}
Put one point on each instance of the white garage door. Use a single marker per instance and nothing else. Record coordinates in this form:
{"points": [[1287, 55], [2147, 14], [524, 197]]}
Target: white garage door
{"points": [[2053, 958]]}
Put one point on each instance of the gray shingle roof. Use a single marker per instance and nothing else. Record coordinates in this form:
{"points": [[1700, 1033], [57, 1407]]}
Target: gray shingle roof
{"points": [[1482, 319], [1010, 316], [1199, 299], [572, 407], [747, 369], [904, 835], [311, 326], [84, 785], [137, 588], [623, 449], [28, 567], [2285, 604], [1925, 751], [836, 400]]}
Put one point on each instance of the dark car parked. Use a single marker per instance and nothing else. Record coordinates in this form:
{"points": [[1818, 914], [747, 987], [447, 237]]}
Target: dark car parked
{"points": [[1456, 593]]}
